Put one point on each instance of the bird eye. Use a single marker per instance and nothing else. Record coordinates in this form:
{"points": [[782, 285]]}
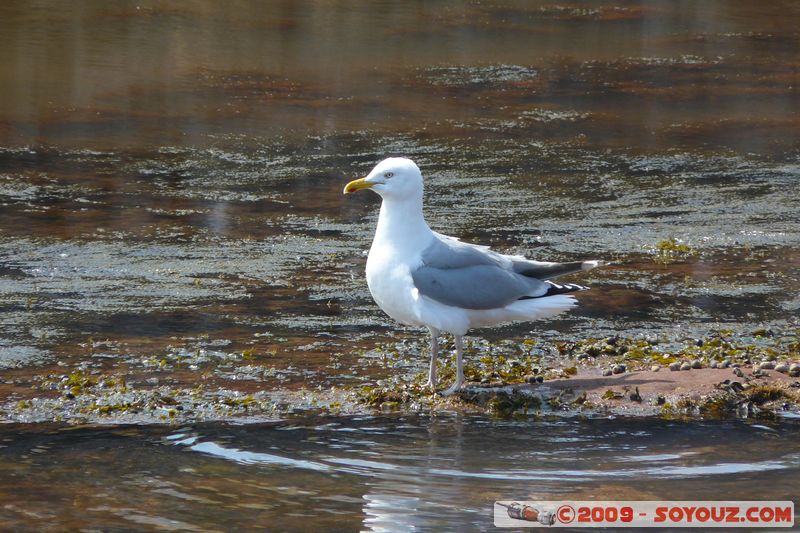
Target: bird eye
{"points": [[388, 175]]}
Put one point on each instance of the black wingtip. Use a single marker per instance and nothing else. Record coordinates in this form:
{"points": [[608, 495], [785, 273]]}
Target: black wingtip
{"points": [[563, 288], [558, 288]]}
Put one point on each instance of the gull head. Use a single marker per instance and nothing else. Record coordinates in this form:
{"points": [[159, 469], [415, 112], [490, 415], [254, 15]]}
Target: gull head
{"points": [[396, 178]]}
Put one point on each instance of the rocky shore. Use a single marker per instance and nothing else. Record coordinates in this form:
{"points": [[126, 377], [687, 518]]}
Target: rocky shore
{"points": [[719, 376]]}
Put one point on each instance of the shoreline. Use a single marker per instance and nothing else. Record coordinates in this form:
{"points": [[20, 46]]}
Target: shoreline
{"points": [[719, 376]]}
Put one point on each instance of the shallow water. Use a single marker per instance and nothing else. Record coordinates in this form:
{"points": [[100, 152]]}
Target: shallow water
{"points": [[171, 215], [374, 474]]}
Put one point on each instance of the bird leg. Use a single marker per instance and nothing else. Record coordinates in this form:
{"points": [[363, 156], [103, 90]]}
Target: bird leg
{"points": [[434, 353], [459, 366]]}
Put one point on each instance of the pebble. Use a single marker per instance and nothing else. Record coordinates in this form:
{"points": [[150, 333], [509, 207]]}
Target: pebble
{"points": [[767, 365], [714, 364], [783, 368], [675, 366], [607, 372], [697, 363], [686, 366], [726, 363], [794, 370], [618, 369], [530, 378], [656, 368], [738, 372]]}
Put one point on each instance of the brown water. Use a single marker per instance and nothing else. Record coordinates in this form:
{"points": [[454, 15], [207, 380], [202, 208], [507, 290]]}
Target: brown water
{"points": [[171, 210], [373, 474]]}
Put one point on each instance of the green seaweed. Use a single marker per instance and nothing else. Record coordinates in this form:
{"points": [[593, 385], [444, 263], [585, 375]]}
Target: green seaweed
{"points": [[672, 250]]}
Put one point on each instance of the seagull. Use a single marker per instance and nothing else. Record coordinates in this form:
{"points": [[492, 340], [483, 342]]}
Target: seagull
{"points": [[425, 279]]}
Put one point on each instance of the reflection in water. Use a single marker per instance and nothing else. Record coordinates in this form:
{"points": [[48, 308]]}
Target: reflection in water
{"points": [[377, 474]]}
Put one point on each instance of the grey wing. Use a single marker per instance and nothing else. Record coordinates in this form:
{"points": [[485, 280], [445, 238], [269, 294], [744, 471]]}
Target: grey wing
{"points": [[473, 277], [447, 252], [477, 286]]}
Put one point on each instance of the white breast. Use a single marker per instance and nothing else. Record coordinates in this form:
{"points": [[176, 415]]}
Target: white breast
{"points": [[389, 281]]}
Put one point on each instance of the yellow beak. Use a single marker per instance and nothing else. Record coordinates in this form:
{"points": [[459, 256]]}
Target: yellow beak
{"points": [[357, 185]]}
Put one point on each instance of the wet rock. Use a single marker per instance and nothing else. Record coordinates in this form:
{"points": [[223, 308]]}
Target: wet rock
{"points": [[618, 369], [660, 400], [635, 396], [686, 366], [607, 372], [699, 343], [746, 410], [675, 366], [539, 379], [655, 368], [783, 368], [697, 363]]}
